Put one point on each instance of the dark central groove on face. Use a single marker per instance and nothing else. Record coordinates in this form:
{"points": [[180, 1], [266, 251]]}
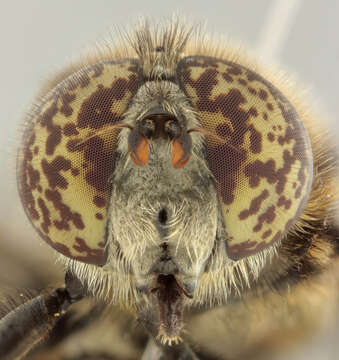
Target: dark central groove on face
{"points": [[162, 216]]}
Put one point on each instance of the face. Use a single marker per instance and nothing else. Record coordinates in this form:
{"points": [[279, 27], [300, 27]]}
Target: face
{"points": [[163, 170], [156, 207]]}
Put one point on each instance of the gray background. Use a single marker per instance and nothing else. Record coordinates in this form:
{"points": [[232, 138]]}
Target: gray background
{"points": [[37, 37]]}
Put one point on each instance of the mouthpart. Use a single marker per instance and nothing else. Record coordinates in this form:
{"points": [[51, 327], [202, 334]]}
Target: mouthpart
{"points": [[170, 297]]}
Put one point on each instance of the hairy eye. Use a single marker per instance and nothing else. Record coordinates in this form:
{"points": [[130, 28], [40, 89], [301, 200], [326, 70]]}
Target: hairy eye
{"points": [[67, 158], [263, 166]]}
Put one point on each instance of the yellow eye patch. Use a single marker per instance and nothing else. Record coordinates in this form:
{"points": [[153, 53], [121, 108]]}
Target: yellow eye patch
{"points": [[264, 166], [64, 179]]}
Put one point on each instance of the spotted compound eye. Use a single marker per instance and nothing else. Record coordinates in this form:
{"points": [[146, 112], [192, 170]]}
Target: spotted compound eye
{"points": [[264, 166], [67, 158], [262, 163]]}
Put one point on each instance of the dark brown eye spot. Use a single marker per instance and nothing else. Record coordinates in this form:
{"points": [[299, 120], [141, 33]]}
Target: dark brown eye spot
{"points": [[99, 216], [75, 171], [270, 137], [269, 106], [263, 94], [70, 129], [252, 91], [242, 82], [99, 201]]}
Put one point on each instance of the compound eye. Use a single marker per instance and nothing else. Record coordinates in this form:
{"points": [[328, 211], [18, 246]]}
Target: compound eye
{"points": [[263, 165], [67, 158]]}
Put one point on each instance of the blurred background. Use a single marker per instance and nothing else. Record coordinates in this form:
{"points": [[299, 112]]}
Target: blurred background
{"points": [[37, 37]]}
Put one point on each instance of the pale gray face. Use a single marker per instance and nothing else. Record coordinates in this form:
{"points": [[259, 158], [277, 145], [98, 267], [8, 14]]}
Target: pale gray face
{"points": [[156, 210]]}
